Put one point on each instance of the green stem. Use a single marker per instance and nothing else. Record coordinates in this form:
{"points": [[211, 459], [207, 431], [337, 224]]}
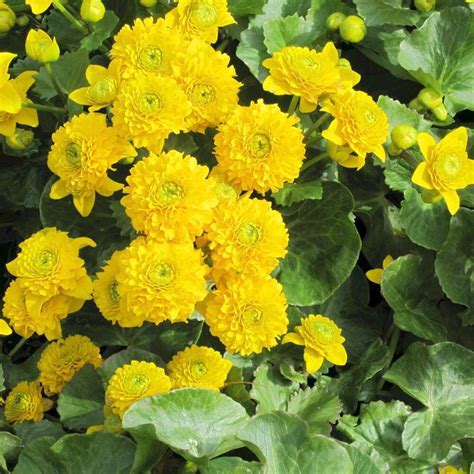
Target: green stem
{"points": [[198, 335], [411, 159], [392, 347], [53, 80], [316, 125], [307, 164], [293, 104], [18, 346], [68, 15], [223, 46], [43, 108]]}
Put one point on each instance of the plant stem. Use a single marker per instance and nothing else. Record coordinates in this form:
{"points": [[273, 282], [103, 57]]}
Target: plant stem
{"points": [[198, 335], [55, 83], [43, 108], [223, 46], [74, 21], [392, 347], [307, 164], [18, 346], [293, 104], [316, 125], [411, 159]]}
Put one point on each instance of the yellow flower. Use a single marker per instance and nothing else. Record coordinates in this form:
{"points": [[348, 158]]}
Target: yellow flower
{"points": [[259, 148], [161, 281], [40, 47], [169, 197], [247, 314], [49, 265], [103, 86], [25, 403], [148, 47], [224, 190], [39, 6], [5, 329], [47, 321], [359, 124], [133, 382], [147, 111], [107, 297], [375, 275], [83, 150], [303, 72], [451, 469], [208, 81], [63, 359], [247, 237], [200, 18], [446, 167], [321, 339], [200, 367]]}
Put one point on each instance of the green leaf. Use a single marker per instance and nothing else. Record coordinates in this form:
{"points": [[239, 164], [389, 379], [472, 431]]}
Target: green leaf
{"points": [[455, 262], [323, 249], [426, 224], [70, 70], [289, 31], [363, 463], [270, 389], [240, 8], [149, 450], [198, 424], [81, 402], [318, 407], [398, 175], [440, 55], [441, 377], [37, 458], [101, 31], [10, 446], [319, 13], [350, 382], [382, 12], [252, 51], [283, 443], [407, 286], [233, 465], [29, 430], [292, 193], [67, 36]]}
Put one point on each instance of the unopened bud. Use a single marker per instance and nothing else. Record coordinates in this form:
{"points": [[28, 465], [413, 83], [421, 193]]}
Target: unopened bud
{"points": [[404, 136], [353, 29], [394, 150], [430, 98], [440, 113], [334, 21], [415, 104], [7, 18], [148, 3], [20, 140], [92, 11], [425, 5]]}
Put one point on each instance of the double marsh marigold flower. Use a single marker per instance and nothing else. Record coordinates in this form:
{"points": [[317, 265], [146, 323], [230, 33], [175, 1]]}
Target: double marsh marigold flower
{"points": [[208, 81], [247, 237], [63, 359], [200, 367], [359, 125], [26, 403], [247, 314], [375, 275], [446, 167], [83, 150], [259, 148], [161, 281], [200, 18], [321, 339], [148, 110], [169, 197], [133, 382], [305, 73]]}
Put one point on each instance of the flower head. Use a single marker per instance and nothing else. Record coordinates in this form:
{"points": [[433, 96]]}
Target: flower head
{"points": [[63, 359], [133, 382], [200, 18], [321, 339], [303, 72], [247, 314], [359, 124], [200, 367], [83, 150], [259, 148], [39, 6], [147, 111], [446, 167], [375, 275], [169, 197], [25, 403], [41, 47]]}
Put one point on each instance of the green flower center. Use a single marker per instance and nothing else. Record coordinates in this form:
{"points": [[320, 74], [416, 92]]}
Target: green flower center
{"points": [[161, 275], [151, 58], [225, 191], [449, 166], [260, 145], [74, 154], [198, 369], [203, 13], [167, 193], [103, 91], [113, 292], [202, 94], [249, 234], [150, 102], [323, 332], [251, 316], [136, 383], [21, 402], [45, 262]]}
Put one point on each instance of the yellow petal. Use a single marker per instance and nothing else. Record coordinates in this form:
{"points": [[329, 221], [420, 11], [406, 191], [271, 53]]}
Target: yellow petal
{"points": [[83, 289], [34, 303], [8, 127], [426, 142], [294, 338], [307, 107], [452, 200], [82, 242], [81, 96], [458, 135], [330, 52], [23, 82], [379, 152], [10, 101], [336, 354], [38, 6], [59, 190], [313, 360], [84, 203], [375, 275], [5, 329], [271, 86], [108, 187], [421, 176], [387, 261], [332, 133], [27, 117], [5, 60], [95, 72]]}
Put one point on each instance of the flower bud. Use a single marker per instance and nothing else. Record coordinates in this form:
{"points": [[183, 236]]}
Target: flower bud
{"points": [[430, 196], [20, 140], [334, 21], [393, 150], [22, 20], [148, 3], [425, 5], [440, 113], [353, 29], [415, 104], [430, 98], [404, 136], [92, 11], [40, 47], [7, 18]]}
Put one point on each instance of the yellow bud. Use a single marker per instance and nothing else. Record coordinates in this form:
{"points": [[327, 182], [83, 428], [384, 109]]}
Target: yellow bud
{"points": [[148, 3], [394, 150], [430, 195], [20, 140], [440, 113], [92, 11], [415, 104], [430, 98], [425, 5], [404, 136], [40, 47], [334, 21], [353, 29], [7, 18]]}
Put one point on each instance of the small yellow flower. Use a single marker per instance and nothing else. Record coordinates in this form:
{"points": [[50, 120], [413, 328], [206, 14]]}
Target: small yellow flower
{"points": [[103, 86], [247, 237], [63, 359], [200, 18], [451, 469], [133, 382], [161, 281], [321, 339], [40, 47], [83, 150], [305, 73], [446, 167], [147, 111], [359, 124], [375, 275], [5, 329], [200, 367], [259, 148], [39, 6], [247, 314], [25, 403]]}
